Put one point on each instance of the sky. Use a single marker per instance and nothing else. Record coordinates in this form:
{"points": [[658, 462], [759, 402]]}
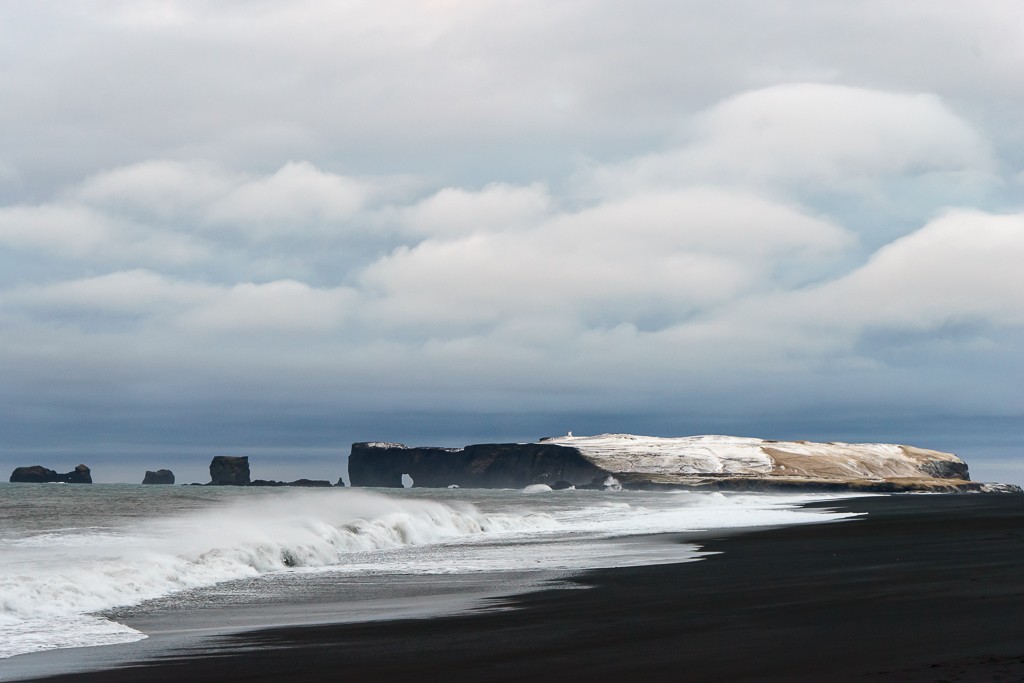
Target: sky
{"points": [[273, 229]]}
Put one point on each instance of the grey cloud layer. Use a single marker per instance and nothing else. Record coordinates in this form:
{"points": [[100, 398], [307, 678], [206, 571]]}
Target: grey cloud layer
{"points": [[429, 87], [680, 261], [512, 206]]}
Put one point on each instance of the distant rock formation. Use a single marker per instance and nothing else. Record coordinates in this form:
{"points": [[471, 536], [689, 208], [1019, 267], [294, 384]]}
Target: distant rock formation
{"points": [[37, 474], [643, 462], [158, 477], [479, 466], [229, 470]]}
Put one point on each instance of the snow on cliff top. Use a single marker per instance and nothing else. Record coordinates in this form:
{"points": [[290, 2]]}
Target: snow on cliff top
{"points": [[736, 455]]}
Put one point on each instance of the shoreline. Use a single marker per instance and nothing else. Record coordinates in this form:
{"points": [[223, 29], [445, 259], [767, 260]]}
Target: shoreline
{"points": [[167, 631], [922, 588]]}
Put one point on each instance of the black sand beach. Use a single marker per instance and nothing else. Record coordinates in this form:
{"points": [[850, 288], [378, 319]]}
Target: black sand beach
{"points": [[922, 588]]}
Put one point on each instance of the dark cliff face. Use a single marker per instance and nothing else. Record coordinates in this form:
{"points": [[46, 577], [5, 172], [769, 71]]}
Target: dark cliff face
{"points": [[229, 470], [485, 466], [942, 469], [563, 464], [80, 475], [37, 474], [158, 477]]}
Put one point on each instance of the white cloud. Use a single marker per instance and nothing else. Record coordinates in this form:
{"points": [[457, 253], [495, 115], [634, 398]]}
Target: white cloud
{"points": [[81, 233], [802, 138], [181, 308], [963, 267], [663, 261], [723, 258], [283, 306], [202, 194], [72, 231], [743, 224], [834, 134], [167, 214], [648, 259], [135, 292], [298, 194], [954, 281], [453, 91], [163, 188], [456, 211]]}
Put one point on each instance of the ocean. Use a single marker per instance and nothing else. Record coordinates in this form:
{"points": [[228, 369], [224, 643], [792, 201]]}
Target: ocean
{"points": [[101, 564]]}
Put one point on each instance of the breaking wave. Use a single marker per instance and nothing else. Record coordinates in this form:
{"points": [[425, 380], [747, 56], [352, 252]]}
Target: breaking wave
{"points": [[49, 582], [54, 581]]}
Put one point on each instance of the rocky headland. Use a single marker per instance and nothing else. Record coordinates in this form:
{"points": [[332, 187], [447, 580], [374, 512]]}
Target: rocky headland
{"points": [[646, 462], [478, 466], [37, 474]]}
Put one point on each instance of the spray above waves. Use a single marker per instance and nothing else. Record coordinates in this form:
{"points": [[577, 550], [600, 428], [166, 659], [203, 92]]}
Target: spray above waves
{"points": [[138, 546], [316, 529], [55, 578]]}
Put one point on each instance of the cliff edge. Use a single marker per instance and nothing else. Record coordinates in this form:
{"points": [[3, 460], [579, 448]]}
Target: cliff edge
{"points": [[645, 462], [481, 466]]}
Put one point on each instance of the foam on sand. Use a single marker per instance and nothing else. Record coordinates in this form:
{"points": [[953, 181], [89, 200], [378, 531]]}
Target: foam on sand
{"points": [[49, 582], [53, 582]]}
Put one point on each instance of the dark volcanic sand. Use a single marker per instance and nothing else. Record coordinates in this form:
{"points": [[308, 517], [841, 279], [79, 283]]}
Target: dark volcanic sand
{"points": [[925, 588]]}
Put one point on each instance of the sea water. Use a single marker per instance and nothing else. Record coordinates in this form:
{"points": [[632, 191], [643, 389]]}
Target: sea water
{"points": [[76, 558]]}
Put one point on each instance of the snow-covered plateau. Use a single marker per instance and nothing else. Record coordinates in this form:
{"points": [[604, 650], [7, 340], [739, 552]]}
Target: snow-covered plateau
{"points": [[675, 459], [632, 461]]}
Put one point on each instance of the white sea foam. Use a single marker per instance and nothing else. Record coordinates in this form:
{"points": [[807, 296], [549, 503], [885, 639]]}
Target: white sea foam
{"points": [[49, 581], [53, 579]]}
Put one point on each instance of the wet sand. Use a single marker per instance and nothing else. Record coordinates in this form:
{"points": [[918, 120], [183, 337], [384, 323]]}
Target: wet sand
{"points": [[922, 588]]}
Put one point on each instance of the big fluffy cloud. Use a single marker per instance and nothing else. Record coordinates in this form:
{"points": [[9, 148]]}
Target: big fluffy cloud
{"points": [[709, 259]]}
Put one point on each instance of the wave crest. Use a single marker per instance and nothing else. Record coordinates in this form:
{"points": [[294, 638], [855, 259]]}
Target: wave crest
{"points": [[65, 577]]}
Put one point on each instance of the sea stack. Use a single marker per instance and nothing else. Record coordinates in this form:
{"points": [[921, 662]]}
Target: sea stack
{"points": [[158, 477], [37, 474], [229, 470], [647, 462]]}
